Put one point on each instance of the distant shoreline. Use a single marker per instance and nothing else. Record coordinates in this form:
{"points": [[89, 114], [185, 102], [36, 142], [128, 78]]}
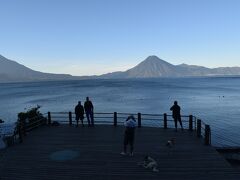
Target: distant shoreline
{"points": [[99, 78]]}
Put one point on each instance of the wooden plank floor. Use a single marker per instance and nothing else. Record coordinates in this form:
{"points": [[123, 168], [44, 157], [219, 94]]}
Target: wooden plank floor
{"points": [[98, 156]]}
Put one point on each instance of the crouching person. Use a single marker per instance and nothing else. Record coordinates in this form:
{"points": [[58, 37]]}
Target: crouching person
{"points": [[130, 125]]}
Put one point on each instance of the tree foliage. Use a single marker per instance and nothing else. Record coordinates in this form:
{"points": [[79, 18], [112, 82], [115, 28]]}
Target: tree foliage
{"points": [[30, 116]]}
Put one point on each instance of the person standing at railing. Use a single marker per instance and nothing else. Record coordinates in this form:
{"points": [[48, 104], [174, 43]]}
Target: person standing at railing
{"points": [[88, 106], [129, 134], [79, 112], [176, 114]]}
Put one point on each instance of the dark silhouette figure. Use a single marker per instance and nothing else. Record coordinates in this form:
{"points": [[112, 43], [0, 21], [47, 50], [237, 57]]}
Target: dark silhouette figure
{"points": [[176, 114], [79, 112], [130, 125], [88, 106]]}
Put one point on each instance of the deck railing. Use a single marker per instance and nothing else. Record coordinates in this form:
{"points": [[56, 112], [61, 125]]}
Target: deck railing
{"points": [[191, 123]]}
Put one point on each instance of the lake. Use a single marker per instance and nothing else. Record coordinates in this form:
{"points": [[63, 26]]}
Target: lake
{"points": [[215, 100]]}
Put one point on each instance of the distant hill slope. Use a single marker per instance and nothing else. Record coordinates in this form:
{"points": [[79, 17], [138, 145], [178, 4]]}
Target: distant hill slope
{"points": [[153, 67], [11, 71]]}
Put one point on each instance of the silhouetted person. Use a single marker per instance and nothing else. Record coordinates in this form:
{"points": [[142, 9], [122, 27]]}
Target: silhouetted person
{"points": [[88, 106], [79, 112], [176, 114], [130, 125]]}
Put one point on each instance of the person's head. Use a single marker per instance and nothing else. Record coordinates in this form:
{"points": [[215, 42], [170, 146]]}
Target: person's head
{"points": [[79, 102], [130, 117], [87, 98], [175, 103]]}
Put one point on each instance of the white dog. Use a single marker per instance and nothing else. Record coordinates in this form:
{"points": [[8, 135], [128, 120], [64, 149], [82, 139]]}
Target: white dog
{"points": [[149, 163]]}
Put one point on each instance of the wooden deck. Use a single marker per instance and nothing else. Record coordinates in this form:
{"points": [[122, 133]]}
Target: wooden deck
{"points": [[97, 156]]}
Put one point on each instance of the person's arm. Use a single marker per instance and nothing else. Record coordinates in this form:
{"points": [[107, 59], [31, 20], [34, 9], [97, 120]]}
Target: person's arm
{"points": [[76, 110], [125, 123], [91, 106], [82, 110], [135, 123], [171, 108]]}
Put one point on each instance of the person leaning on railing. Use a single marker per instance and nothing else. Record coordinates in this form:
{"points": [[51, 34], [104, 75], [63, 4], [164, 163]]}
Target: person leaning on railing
{"points": [[130, 125], [176, 114], [88, 106], [79, 112]]}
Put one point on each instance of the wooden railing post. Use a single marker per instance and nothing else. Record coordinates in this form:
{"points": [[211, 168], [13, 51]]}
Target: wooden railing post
{"points": [[207, 138], [190, 123], [70, 118], [139, 120], [165, 120], [115, 119], [49, 118], [20, 133], [23, 127], [199, 127]]}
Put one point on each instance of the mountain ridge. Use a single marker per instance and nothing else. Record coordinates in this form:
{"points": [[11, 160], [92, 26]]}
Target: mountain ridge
{"points": [[13, 71], [151, 67], [154, 67]]}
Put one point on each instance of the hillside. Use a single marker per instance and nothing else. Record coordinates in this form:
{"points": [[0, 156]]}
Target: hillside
{"points": [[11, 71], [153, 67]]}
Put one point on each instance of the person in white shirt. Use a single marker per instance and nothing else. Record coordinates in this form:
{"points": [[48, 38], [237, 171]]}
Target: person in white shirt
{"points": [[130, 125]]}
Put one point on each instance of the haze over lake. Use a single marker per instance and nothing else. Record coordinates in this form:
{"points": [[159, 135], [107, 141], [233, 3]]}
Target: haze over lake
{"points": [[214, 100]]}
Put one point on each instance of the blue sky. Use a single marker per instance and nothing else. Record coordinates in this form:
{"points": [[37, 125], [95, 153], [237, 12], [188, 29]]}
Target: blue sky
{"points": [[84, 37]]}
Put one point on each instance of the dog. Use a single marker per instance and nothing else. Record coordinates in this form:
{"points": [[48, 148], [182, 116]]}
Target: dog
{"points": [[149, 163], [170, 143]]}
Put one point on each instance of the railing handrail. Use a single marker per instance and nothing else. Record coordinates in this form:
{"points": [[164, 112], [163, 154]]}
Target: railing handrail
{"points": [[145, 117], [104, 118], [161, 119]]}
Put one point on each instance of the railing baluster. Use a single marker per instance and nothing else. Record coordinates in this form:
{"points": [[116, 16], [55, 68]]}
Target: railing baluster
{"points": [[190, 123], [139, 120], [199, 127], [20, 133], [165, 120], [115, 119], [70, 118], [49, 118], [207, 138]]}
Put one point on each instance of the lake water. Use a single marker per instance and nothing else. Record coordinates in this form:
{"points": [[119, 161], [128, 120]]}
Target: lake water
{"points": [[215, 100]]}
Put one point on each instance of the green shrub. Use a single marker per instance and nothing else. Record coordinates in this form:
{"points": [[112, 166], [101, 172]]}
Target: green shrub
{"points": [[31, 116]]}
